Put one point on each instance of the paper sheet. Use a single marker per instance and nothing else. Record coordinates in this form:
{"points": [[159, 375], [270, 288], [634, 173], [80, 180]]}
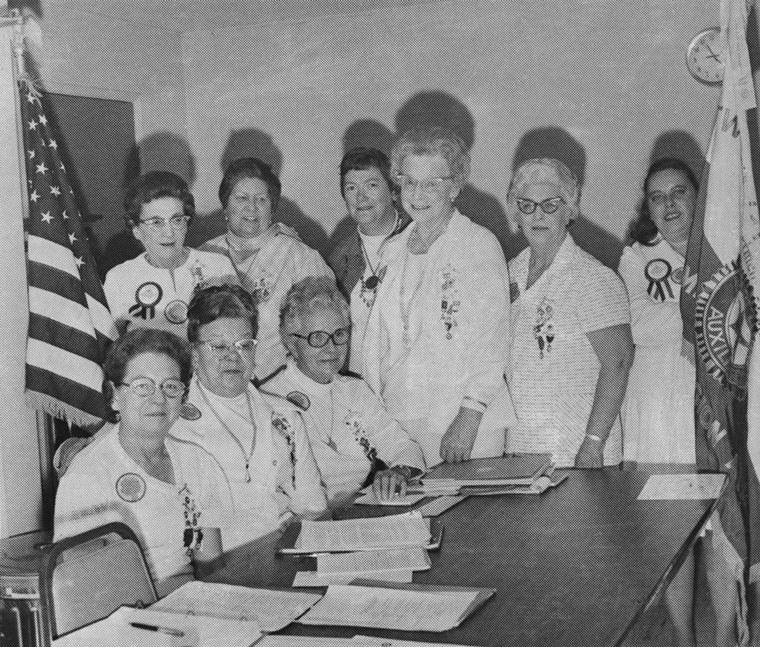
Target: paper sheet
{"points": [[308, 641], [197, 631], [312, 579], [381, 608], [370, 499], [273, 610], [393, 531], [682, 486], [375, 561], [393, 642]]}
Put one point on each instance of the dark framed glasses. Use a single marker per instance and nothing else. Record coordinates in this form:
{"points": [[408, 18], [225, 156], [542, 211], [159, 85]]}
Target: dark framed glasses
{"points": [[319, 338], [145, 387], [550, 205]]}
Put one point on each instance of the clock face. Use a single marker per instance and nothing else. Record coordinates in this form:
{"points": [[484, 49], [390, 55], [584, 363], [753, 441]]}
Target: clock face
{"points": [[704, 57]]}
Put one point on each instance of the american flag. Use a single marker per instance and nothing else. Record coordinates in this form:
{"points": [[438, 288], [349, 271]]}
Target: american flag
{"points": [[69, 323]]}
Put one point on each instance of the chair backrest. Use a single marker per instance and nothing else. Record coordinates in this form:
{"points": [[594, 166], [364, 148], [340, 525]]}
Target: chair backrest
{"points": [[87, 577]]}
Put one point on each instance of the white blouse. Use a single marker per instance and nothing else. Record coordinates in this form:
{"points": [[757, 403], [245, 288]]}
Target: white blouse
{"points": [[554, 368]]}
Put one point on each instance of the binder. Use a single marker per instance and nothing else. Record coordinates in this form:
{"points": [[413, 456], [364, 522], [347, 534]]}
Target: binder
{"points": [[510, 469]]}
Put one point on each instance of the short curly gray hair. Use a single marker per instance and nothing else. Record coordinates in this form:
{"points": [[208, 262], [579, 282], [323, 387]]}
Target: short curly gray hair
{"points": [[434, 140], [302, 296]]}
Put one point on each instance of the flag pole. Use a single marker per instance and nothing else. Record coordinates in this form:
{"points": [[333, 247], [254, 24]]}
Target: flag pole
{"points": [[45, 422]]}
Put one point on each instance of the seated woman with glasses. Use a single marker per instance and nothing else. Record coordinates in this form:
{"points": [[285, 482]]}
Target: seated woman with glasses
{"points": [[171, 493], [267, 256], [571, 328], [353, 437], [435, 348], [153, 290], [259, 440]]}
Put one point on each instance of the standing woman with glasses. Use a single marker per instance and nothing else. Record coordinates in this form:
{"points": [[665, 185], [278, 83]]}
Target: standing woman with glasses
{"points": [[571, 328], [436, 347], [153, 290], [171, 493]]}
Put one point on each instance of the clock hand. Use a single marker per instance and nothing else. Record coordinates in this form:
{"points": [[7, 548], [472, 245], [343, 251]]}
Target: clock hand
{"points": [[712, 54]]}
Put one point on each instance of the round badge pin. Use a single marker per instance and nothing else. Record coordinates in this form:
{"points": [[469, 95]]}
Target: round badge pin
{"points": [[149, 294], [301, 400], [677, 275], [176, 312], [189, 411], [130, 487]]}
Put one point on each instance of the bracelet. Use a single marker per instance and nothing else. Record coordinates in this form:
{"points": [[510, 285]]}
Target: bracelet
{"points": [[598, 439]]}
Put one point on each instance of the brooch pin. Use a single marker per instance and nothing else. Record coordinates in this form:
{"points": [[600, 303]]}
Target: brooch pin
{"points": [[543, 331]]}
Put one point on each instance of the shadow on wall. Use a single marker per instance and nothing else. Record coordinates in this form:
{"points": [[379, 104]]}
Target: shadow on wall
{"points": [[679, 144], [250, 142], [556, 142], [438, 108], [160, 151]]}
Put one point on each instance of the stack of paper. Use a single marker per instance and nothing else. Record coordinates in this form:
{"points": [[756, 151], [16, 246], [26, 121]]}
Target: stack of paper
{"points": [[272, 609], [512, 469], [356, 641], [312, 579], [395, 607], [370, 563], [378, 533]]}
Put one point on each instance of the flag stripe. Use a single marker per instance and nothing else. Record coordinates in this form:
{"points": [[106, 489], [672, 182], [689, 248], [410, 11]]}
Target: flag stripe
{"points": [[47, 252], [49, 331], [61, 310], [70, 393], [68, 365]]}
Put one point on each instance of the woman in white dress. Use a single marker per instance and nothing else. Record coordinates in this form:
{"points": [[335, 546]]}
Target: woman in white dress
{"points": [[658, 421], [153, 290], [436, 344], [571, 333], [353, 437], [267, 256], [170, 492]]}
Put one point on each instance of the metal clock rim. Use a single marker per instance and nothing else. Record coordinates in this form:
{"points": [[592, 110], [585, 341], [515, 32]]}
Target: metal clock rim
{"points": [[692, 44]]}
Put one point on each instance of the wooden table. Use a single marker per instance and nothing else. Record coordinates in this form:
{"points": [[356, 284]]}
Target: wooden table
{"points": [[575, 566]]}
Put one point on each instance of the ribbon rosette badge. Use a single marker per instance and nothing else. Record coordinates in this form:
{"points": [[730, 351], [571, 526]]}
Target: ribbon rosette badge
{"points": [[657, 272], [147, 296]]}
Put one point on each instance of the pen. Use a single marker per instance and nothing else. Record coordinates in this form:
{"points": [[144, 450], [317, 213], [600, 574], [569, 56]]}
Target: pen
{"points": [[164, 630]]}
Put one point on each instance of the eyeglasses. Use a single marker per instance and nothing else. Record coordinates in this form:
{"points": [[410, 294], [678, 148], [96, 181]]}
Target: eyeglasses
{"points": [[160, 223], [432, 185], [319, 338], [220, 347], [550, 205], [145, 387]]}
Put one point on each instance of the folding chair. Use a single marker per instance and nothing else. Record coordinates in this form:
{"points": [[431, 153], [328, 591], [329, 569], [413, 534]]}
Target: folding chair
{"points": [[87, 577]]}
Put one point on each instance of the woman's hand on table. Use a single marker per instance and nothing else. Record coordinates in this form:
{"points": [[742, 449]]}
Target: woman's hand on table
{"points": [[590, 454], [457, 442], [388, 483]]}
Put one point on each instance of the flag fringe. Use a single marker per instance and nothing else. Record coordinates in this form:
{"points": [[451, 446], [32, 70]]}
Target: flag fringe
{"points": [[58, 409]]}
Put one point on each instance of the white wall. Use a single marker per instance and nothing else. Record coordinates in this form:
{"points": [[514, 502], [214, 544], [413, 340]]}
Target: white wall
{"points": [[611, 74]]}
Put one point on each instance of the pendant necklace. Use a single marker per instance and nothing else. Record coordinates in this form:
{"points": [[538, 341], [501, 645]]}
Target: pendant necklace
{"points": [[406, 306], [246, 457], [373, 279]]}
